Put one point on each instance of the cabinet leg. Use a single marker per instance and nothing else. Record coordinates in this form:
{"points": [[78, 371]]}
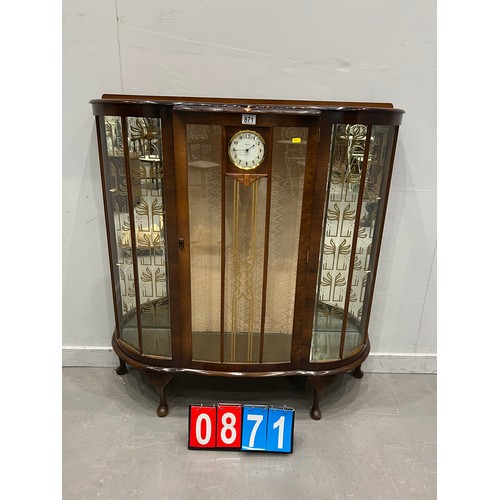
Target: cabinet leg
{"points": [[160, 381], [122, 369], [358, 372], [319, 384]]}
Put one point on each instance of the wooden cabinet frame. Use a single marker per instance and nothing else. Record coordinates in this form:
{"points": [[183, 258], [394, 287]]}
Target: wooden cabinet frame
{"points": [[326, 122]]}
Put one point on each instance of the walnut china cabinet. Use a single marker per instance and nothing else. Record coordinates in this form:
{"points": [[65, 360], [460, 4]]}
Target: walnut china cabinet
{"points": [[243, 234]]}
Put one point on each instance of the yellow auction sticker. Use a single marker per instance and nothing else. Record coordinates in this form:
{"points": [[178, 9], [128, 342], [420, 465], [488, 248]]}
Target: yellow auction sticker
{"points": [[296, 140]]}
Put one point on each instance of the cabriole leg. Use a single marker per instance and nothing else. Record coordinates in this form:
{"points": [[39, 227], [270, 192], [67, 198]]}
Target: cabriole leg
{"points": [[122, 369], [358, 372], [319, 384], [160, 381]]}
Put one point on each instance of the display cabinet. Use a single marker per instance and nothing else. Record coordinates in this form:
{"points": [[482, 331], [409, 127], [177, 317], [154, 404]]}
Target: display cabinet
{"points": [[243, 234]]}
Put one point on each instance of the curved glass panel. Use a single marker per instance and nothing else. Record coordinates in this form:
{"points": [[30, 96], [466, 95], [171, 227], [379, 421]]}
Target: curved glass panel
{"points": [[146, 173], [369, 230], [115, 185], [141, 265], [346, 161]]}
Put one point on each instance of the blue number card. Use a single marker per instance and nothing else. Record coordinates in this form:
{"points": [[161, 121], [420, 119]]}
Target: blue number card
{"points": [[280, 430], [254, 430]]}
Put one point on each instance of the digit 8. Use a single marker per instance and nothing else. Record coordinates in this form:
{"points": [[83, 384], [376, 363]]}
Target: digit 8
{"points": [[228, 426]]}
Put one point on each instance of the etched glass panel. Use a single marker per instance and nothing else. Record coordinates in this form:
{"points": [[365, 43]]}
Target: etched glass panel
{"points": [[146, 170], [346, 161], [375, 185], [115, 183], [287, 184], [205, 206]]}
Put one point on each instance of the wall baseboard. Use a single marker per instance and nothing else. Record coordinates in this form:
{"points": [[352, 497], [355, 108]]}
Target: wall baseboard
{"points": [[375, 363]]}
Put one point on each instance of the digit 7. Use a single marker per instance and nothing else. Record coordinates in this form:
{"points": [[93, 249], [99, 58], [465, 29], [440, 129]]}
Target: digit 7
{"points": [[258, 420], [254, 430]]}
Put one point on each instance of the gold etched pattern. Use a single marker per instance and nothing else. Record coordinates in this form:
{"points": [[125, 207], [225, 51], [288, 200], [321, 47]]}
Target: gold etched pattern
{"points": [[147, 184], [347, 157], [346, 163], [119, 215], [148, 250], [372, 194]]}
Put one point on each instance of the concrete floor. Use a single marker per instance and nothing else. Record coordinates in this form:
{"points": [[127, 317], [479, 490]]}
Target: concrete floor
{"points": [[376, 440]]}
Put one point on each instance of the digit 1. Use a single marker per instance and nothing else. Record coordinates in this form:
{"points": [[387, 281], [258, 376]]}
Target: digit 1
{"points": [[281, 424], [280, 430]]}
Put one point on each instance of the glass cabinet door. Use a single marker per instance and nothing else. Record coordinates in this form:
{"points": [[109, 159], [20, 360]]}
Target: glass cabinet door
{"points": [[244, 230]]}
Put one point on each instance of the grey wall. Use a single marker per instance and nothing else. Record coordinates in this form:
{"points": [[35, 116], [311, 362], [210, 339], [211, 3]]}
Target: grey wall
{"points": [[352, 50]]}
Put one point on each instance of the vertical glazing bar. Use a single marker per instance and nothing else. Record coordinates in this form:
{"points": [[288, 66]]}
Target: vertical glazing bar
{"points": [[133, 241], [253, 259], [223, 247], [266, 247], [355, 239], [378, 237], [234, 315], [170, 234], [252, 253], [101, 140]]}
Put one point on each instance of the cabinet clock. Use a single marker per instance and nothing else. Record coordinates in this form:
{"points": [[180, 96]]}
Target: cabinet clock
{"points": [[243, 234]]}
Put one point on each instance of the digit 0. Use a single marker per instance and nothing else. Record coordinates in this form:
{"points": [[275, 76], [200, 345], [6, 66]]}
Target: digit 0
{"points": [[202, 425], [203, 440]]}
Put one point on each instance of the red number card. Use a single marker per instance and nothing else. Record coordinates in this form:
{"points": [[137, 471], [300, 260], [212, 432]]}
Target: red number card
{"points": [[202, 426], [228, 426]]}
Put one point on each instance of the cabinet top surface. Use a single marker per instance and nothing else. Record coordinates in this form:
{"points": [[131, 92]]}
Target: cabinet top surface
{"points": [[213, 104]]}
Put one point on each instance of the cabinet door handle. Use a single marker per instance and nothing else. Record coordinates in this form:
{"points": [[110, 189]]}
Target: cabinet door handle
{"points": [[181, 243]]}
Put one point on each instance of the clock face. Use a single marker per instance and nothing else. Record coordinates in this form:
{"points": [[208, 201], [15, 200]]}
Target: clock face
{"points": [[247, 149]]}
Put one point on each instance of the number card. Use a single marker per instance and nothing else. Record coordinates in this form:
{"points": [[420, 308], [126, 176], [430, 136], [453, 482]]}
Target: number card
{"points": [[229, 426], [202, 427], [280, 430], [254, 428]]}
